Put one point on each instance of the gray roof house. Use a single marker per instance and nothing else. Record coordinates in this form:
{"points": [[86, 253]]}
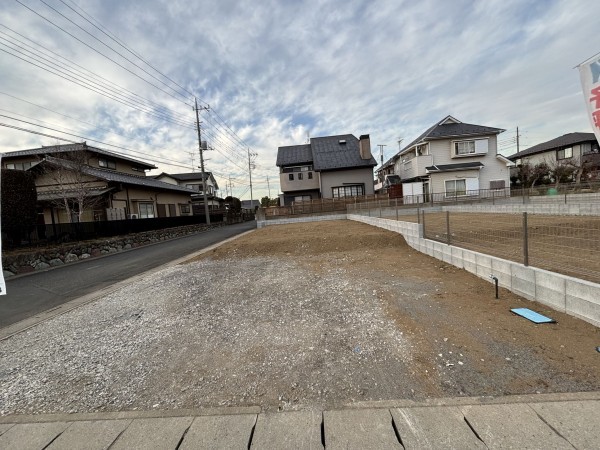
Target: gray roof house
{"points": [[451, 158], [116, 185], [565, 147], [328, 167]]}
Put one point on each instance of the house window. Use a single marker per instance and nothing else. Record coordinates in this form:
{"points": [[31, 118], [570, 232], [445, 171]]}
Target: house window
{"points": [[456, 188], [348, 191], [18, 166], [184, 208], [310, 175], [497, 184], [107, 163], [194, 187], [302, 198], [565, 153], [474, 147], [291, 177], [146, 210], [297, 169], [300, 176]]}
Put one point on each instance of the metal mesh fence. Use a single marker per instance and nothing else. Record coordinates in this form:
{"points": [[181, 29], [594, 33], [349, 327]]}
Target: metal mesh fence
{"points": [[564, 244]]}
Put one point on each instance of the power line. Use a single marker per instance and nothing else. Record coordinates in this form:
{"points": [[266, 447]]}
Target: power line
{"points": [[100, 53]]}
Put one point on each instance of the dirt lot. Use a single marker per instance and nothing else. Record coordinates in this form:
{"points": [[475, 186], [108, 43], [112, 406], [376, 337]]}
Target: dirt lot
{"points": [[298, 316]]}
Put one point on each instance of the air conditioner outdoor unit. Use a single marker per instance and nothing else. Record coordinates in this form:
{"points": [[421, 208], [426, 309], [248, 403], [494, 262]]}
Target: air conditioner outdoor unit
{"points": [[133, 216]]}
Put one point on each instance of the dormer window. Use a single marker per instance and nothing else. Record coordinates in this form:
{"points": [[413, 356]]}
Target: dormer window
{"points": [[107, 163]]}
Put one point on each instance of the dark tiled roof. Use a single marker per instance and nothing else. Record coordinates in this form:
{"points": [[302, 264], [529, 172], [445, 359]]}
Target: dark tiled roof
{"points": [[294, 154], [451, 167], [118, 177], [189, 176], [443, 130], [556, 143], [72, 148], [329, 154]]}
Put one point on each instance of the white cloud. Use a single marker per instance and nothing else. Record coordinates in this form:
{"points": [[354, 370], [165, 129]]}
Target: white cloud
{"points": [[277, 70]]}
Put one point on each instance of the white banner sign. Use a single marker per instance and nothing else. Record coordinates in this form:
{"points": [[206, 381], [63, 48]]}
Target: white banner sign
{"points": [[590, 82], [2, 282]]}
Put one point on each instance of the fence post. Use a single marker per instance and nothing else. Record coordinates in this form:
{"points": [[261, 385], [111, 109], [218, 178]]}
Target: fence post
{"points": [[396, 209], [448, 227], [423, 224], [565, 196], [380, 211], [525, 241], [368, 209], [418, 215]]}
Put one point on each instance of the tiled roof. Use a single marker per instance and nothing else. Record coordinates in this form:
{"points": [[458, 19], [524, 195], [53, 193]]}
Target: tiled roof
{"points": [[451, 167], [72, 148], [294, 154], [118, 177], [330, 154], [556, 143], [442, 130], [189, 176]]}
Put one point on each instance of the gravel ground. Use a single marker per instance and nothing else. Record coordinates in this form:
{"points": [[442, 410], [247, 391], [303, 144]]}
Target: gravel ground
{"points": [[294, 317]]}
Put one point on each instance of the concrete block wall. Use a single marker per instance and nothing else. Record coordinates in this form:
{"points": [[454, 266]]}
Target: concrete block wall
{"points": [[566, 294], [264, 223]]}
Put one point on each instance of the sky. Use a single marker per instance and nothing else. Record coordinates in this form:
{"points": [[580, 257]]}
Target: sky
{"points": [[273, 73]]}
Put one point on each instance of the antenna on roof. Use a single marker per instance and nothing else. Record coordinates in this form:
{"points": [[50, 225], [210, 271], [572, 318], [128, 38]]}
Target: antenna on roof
{"points": [[400, 139], [307, 137]]}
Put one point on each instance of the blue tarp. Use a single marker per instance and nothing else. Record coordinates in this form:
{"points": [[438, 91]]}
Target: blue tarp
{"points": [[532, 315]]}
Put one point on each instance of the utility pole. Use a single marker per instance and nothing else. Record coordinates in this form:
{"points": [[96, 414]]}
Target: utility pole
{"points": [[381, 151], [517, 139], [250, 173], [192, 156], [269, 188], [201, 149]]}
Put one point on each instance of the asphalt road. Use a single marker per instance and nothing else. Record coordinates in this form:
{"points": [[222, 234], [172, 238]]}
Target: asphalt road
{"points": [[40, 291]]}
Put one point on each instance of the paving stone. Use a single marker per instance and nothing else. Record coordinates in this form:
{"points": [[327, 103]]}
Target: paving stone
{"points": [[512, 426], [34, 436], [216, 432], [434, 427], [578, 422], [90, 435], [298, 430], [359, 429], [150, 434]]}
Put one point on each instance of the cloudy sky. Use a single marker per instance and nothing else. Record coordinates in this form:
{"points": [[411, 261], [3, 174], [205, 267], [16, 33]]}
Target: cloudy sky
{"points": [[275, 72]]}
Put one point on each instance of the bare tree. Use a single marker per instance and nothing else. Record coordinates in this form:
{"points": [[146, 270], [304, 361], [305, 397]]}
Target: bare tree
{"points": [[76, 191]]}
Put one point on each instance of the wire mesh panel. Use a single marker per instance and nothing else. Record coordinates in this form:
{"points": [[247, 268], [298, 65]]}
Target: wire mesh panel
{"points": [[565, 244]]}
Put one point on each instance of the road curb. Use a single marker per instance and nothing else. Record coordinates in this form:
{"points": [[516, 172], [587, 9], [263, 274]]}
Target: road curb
{"points": [[30, 322], [239, 410]]}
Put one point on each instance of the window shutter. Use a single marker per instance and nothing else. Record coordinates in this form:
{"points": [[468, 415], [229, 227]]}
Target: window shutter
{"points": [[481, 146]]}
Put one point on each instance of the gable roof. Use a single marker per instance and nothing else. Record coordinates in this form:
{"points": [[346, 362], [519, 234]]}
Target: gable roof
{"points": [[450, 127], [64, 148], [110, 175], [325, 153], [561, 141], [330, 154], [189, 176], [294, 154]]}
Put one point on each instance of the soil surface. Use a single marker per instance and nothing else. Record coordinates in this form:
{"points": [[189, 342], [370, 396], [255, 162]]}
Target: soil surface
{"points": [[314, 315]]}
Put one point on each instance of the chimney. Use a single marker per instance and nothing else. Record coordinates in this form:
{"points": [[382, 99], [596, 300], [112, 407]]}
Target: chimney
{"points": [[364, 145]]}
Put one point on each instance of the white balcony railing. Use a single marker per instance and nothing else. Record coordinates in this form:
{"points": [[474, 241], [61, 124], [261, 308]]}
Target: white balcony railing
{"points": [[415, 167]]}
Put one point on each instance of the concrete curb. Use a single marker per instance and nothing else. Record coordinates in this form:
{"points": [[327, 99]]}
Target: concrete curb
{"points": [[236, 410], [30, 322]]}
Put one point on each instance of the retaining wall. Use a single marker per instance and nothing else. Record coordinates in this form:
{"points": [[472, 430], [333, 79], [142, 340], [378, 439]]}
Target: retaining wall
{"points": [[261, 223], [553, 209], [566, 294]]}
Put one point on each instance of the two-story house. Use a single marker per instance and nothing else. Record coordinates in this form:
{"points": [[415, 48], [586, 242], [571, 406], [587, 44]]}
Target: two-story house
{"points": [[195, 182], [452, 158], [328, 167], [575, 149], [103, 184]]}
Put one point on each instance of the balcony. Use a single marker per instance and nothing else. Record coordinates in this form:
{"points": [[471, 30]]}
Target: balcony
{"points": [[415, 167]]}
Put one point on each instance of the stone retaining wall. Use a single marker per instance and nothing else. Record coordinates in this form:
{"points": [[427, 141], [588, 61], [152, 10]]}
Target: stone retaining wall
{"points": [[24, 261]]}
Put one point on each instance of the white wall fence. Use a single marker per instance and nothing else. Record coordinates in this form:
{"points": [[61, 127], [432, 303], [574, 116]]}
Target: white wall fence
{"points": [[566, 294], [261, 222]]}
